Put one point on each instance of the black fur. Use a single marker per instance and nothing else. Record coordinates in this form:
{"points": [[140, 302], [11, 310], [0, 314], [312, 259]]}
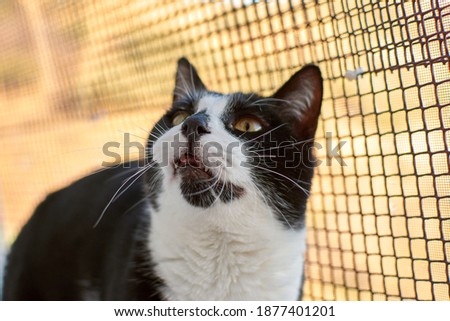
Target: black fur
{"points": [[59, 254]]}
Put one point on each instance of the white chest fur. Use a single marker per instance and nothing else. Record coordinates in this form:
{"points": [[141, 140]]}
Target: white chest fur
{"points": [[234, 251]]}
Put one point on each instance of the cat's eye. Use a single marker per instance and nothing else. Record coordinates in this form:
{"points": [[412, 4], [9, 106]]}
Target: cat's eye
{"points": [[179, 117], [248, 124]]}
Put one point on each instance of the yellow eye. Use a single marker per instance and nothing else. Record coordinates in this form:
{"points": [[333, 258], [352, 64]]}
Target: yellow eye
{"points": [[179, 117], [248, 124]]}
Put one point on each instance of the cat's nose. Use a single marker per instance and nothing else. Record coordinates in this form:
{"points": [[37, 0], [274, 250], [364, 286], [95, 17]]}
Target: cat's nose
{"points": [[195, 125]]}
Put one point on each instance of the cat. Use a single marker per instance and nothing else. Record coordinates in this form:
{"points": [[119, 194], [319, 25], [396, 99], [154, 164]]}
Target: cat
{"points": [[192, 222]]}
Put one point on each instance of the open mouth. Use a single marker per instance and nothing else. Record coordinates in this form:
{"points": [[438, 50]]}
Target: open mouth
{"points": [[191, 167], [200, 186]]}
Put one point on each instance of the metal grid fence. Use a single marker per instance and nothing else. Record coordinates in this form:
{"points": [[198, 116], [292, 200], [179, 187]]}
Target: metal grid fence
{"points": [[75, 74]]}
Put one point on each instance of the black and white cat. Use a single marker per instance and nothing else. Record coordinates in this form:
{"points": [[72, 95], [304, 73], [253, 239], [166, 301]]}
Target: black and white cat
{"points": [[217, 211]]}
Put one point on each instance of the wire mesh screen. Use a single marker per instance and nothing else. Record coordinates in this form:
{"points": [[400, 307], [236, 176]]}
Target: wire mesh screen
{"points": [[76, 74]]}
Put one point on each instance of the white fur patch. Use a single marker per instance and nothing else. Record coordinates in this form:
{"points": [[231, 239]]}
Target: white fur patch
{"points": [[233, 251], [229, 251], [214, 105]]}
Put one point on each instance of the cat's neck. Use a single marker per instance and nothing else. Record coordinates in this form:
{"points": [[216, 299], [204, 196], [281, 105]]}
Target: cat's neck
{"points": [[233, 251]]}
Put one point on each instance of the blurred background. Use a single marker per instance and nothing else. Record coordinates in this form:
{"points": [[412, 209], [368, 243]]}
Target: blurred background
{"points": [[76, 74]]}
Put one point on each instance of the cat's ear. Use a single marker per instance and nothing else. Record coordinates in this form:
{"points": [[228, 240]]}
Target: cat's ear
{"points": [[301, 98], [187, 81]]}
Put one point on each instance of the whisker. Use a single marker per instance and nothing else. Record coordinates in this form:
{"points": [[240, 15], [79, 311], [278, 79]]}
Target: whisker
{"points": [[121, 173], [209, 187], [143, 129], [113, 198], [135, 205], [286, 177], [220, 193], [145, 138], [273, 99], [282, 146], [266, 133], [158, 129], [249, 98], [278, 211], [142, 172], [155, 136]]}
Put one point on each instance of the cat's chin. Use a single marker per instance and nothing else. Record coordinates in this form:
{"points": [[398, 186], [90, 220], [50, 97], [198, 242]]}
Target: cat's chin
{"points": [[206, 194]]}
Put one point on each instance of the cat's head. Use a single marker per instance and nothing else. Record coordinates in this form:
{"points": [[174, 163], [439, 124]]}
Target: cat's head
{"points": [[217, 148]]}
